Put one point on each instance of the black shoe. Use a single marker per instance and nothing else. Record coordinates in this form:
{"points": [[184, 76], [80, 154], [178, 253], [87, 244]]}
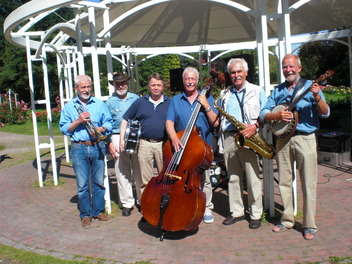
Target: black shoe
{"points": [[126, 211], [255, 224], [231, 220]]}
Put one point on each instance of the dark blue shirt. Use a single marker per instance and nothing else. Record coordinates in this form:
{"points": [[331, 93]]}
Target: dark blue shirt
{"points": [[180, 111], [152, 118]]}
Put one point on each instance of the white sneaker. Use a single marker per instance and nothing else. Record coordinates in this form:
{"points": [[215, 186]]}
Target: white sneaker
{"points": [[208, 218]]}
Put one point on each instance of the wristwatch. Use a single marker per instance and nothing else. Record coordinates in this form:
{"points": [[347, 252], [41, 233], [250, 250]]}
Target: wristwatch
{"points": [[208, 109], [257, 127]]}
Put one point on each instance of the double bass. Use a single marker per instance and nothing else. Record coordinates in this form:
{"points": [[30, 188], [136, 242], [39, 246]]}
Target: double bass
{"points": [[174, 200]]}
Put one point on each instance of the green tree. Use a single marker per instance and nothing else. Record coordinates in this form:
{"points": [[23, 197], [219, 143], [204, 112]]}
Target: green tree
{"points": [[318, 57]]}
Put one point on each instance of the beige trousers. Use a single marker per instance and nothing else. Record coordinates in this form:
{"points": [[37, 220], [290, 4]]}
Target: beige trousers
{"points": [[127, 171], [303, 150], [242, 163], [149, 154]]}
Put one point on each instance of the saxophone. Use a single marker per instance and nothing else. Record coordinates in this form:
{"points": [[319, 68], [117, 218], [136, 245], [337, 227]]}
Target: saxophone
{"points": [[255, 143]]}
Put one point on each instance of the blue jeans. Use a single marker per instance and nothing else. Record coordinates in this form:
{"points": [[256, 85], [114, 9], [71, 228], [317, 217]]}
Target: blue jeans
{"points": [[88, 165]]}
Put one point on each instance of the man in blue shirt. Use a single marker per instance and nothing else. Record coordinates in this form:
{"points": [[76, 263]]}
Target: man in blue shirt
{"points": [[126, 164], [300, 147], [178, 116], [243, 101], [150, 110], [87, 121]]}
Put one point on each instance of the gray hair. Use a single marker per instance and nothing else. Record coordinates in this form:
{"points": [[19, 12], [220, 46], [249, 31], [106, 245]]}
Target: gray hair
{"points": [[81, 78], [293, 55], [237, 60], [190, 69]]}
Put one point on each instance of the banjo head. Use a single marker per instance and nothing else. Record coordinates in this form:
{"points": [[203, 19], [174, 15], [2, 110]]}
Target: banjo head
{"points": [[281, 128]]}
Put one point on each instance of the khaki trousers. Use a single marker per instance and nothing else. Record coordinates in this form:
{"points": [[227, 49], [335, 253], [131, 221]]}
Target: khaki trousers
{"points": [[127, 171], [303, 150], [148, 155], [242, 163]]}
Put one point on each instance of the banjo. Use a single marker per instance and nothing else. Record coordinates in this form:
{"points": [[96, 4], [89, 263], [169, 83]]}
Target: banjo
{"points": [[133, 133], [282, 128]]}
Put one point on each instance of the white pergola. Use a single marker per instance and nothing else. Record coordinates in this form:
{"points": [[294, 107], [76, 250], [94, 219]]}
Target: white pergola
{"points": [[123, 29]]}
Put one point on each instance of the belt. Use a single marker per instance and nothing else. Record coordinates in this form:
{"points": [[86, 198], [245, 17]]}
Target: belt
{"points": [[88, 142], [153, 140], [299, 133]]}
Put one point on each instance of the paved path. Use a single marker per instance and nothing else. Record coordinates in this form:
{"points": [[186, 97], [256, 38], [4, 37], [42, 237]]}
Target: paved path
{"points": [[45, 220]]}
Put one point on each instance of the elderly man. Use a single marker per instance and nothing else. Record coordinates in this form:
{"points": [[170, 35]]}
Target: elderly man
{"points": [[243, 101], [87, 121], [178, 115], [126, 164], [301, 146]]}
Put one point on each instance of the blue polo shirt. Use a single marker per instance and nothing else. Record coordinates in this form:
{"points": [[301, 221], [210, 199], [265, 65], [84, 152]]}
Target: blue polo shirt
{"points": [[308, 116], [118, 107], [99, 115], [151, 116], [180, 111]]}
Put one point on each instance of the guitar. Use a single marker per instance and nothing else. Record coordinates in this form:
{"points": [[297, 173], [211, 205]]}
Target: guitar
{"points": [[282, 128]]}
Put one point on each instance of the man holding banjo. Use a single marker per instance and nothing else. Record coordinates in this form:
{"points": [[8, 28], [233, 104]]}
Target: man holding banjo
{"points": [[298, 145]]}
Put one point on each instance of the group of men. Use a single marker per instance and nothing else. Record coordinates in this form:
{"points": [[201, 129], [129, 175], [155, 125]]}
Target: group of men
{"points": [[161, 118]]}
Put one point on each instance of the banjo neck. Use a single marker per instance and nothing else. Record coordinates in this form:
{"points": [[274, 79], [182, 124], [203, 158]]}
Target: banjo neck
{"points": [[298, 96]]}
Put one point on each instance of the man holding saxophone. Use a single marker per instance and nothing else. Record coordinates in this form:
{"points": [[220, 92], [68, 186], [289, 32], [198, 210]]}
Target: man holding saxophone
{"points": [[243, 101], [87, 121]]}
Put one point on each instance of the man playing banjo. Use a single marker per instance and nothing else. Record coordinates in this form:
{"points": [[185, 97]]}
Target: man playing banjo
{"points": [[300, 146], [126, 163]]}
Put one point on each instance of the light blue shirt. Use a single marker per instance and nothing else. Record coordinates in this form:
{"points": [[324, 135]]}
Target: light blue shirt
{"points": [[118, 107], [99, 115], [180, 111], [308, 116]]}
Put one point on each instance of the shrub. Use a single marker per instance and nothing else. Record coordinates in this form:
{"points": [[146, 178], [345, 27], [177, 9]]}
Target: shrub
{"points": [[14, 112]]}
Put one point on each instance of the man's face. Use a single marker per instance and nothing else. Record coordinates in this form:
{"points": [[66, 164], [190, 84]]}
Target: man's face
{"points": [[290, 69], [84, 90], [238, 75], [121, 87], [190, 81], [156, 87]]}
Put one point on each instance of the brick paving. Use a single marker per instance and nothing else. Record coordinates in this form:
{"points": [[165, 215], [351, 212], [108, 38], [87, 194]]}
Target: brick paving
{"points": [[45, 220]]}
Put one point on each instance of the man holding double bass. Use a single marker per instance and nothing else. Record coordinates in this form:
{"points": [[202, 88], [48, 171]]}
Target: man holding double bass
{"points": [[300, 147], [178, 115]]}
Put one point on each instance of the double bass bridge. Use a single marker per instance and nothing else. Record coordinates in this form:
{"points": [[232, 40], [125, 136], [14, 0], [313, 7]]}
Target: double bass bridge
{"points": [[172, 176]]}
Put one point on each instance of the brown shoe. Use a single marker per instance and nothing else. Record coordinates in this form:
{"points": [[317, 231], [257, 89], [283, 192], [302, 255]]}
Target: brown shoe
{"points": [[86, 222], [104, 218]]}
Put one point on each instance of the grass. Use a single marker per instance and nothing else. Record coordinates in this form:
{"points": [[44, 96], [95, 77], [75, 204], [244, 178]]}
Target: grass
{"points": [[20, 256], [27, 129]]}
